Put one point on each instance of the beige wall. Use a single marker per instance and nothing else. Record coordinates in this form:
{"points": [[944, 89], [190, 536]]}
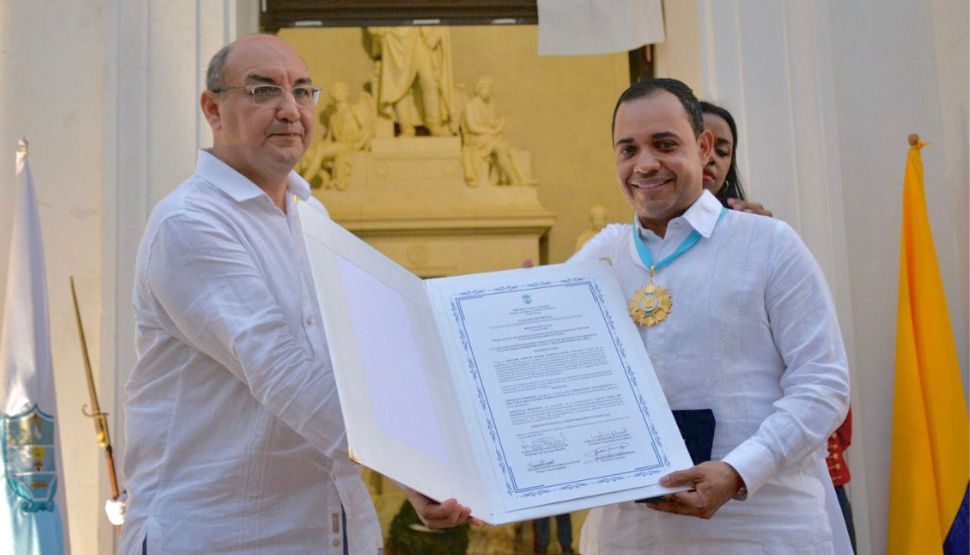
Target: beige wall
{"points": [[905, 71], [50, 92], [825, 95], [558, 108], [679, 56], [107, 93]]}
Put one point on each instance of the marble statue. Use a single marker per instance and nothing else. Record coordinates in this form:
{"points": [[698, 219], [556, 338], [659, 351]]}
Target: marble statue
{"points": [[484, 148], [415, 63], [597, 221], [349, 129]]}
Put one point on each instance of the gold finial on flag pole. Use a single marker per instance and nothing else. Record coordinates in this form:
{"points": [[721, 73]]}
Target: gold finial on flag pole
{"points": [[22, 147], [913, 139]]}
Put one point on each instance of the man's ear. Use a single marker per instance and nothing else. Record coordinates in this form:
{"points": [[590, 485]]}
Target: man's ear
{"points": [[210, 109], [705, 145]]}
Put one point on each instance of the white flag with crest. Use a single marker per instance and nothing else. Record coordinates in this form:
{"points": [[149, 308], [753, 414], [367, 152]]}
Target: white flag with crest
{"points": [[33, 502]]}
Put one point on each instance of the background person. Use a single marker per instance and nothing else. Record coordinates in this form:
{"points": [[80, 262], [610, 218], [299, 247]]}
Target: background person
{"points": [[721, 176], [564, 534]]}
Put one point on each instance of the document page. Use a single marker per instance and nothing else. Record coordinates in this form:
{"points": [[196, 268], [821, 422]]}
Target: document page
{"points": [[396, 389], [524, 393], [565, 390]]}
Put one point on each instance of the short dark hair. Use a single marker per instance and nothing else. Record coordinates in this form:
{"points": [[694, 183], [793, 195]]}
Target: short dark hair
{"points": [[213, 75], [640, 89], [732, 181]]}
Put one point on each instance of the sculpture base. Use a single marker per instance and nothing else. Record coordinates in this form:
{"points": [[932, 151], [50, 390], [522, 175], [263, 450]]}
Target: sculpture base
{"points": [[408, 198]]}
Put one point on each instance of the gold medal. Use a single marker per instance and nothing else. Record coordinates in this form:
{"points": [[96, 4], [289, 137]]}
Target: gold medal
{"points": [[650, 305]]}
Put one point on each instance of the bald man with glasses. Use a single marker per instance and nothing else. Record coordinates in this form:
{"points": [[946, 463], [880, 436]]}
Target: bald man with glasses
{"points": [[235, 439]]}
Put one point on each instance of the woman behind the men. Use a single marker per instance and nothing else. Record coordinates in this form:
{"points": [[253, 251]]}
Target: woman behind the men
{"points": [[721, 175], [721, 172]]}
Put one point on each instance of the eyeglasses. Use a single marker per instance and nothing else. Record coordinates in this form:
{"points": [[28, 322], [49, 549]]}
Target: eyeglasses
{"points": [[304, 95]]}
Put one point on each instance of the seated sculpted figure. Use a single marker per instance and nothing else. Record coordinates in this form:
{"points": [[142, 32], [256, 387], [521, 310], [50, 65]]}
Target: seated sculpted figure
{"points": [[483, 146], [349, 130]]}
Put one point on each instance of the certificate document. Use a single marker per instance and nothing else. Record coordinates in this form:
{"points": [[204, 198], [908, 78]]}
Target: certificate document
{"points": [[522, 393]]}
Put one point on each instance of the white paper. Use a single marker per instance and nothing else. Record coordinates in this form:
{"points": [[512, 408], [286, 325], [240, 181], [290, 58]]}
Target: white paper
{"points": [[388, 445], [559, 381], [524, 393], [380, 313]]}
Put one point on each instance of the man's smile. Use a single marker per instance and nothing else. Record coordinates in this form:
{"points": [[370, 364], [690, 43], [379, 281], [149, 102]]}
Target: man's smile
{"points": [[650, 183]]}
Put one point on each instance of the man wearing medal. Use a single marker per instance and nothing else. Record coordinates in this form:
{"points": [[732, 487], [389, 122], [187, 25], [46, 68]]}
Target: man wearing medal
{"points": [[737, 318]]}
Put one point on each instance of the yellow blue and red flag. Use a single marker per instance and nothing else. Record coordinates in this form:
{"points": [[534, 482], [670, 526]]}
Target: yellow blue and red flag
{"points": [[930, 466]]}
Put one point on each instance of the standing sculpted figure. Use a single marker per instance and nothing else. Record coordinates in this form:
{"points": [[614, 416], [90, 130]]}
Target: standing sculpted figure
{"points": [[414, 60], [483, 145]]}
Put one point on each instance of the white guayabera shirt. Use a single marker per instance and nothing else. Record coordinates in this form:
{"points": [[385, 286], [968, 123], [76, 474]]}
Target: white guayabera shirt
{"points": [[752, 334], [235, 440]]}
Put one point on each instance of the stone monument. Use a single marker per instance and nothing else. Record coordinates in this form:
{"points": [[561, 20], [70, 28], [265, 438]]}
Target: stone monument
{"points": [[420, 173]]}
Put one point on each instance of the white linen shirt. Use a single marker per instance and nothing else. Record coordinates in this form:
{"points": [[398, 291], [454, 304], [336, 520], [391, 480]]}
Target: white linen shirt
{"points": [[752, 334], [235, 439]]}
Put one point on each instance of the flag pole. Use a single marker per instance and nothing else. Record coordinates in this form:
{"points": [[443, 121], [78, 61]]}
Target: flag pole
{"points": [[100, 418]]}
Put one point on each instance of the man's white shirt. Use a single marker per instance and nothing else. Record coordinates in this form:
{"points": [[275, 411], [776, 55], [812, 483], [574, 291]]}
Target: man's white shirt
{"points": [[752, 334], [235, 439]]}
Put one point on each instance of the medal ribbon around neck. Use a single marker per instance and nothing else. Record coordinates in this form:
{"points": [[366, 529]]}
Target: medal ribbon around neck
{"points": [[650, 305]]}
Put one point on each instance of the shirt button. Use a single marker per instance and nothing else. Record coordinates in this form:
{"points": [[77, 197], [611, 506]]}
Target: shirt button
{"points": [[309, 320], [335, 543]]}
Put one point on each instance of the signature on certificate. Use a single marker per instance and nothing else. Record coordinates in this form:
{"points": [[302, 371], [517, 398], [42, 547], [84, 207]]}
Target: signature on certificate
{"points": [[546, 465], [608, 445], [543, 445], [611, 453], [608, 437]]}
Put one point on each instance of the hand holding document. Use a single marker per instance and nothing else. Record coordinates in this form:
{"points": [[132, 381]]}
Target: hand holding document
{"points": [[524, 393], [447, 514]]}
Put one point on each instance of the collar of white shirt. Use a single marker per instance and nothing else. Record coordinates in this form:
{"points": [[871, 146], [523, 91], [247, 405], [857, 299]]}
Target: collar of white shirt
{"points": [[238, 186], [701, 216]]}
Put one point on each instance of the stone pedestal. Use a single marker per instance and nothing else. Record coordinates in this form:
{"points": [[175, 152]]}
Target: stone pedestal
{"points": [[407, 197]]}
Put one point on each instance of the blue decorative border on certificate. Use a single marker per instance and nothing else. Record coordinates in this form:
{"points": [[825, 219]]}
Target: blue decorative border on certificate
{"points": [[510, 482]]}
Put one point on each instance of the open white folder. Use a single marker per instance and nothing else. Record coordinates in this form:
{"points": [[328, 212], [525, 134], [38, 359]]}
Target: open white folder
{"points": [[523, 393]]}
